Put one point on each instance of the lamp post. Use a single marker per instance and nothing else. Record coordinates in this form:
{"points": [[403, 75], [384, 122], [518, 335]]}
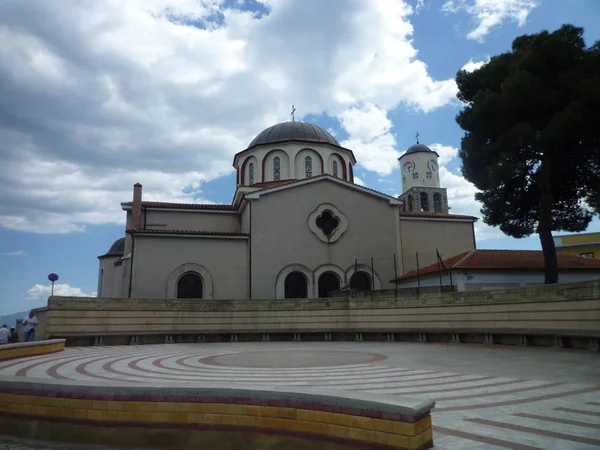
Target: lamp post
{"points": [[52, 277]]}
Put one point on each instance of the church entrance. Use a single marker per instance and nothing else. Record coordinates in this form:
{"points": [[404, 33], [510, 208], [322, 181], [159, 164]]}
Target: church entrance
{"points": [[328, 282], [361, 281], [296, 285], [190, 286]]}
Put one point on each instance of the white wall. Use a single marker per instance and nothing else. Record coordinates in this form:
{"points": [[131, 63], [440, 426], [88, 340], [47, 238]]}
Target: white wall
{"points": [[293, 162], [420, 160], [487, 280]]}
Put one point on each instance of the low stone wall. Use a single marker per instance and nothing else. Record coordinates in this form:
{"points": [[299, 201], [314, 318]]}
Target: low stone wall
{"points": [[562, 315], [394, 293], [23, 349], [210, 417]]}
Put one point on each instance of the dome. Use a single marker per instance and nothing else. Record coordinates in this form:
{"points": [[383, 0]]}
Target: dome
{"points": [[294, 131], [418, 148], [117, 249]]}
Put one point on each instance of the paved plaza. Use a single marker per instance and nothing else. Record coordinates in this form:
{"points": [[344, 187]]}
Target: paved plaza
{"points": [[487, 397]]}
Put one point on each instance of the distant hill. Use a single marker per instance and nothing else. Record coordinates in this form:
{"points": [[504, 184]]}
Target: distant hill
{"points": [[11, 319]]}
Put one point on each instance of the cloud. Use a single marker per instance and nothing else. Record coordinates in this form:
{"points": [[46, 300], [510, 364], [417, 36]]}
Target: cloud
{"points": [[371, 138], [42, 292], [95, 96], [359, 181], [447, 153], [17, 253], [491, 13], [472, 66]]}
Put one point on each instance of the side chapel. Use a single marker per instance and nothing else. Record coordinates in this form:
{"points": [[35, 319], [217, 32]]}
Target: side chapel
{"points": [[297, 227]]}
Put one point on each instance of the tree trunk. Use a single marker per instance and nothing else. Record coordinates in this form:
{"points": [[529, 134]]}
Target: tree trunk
{"points": [[545, 223]]}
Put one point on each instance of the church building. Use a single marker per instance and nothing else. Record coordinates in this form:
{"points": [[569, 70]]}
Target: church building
{"points": [[297, 227]]}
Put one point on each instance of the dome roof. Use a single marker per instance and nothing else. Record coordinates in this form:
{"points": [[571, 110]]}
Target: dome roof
{"points": [[418, 148], [293, 131], [117, 249]]}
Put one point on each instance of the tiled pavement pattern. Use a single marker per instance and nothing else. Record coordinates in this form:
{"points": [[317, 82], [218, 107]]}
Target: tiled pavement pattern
{"points": [[487, 397], [10, 443]]}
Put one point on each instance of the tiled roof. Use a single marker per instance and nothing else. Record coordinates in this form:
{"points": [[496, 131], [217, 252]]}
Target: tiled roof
{"points": [[201, 206], [435, 215], [505, 260], [268, 184], [187, 232]]}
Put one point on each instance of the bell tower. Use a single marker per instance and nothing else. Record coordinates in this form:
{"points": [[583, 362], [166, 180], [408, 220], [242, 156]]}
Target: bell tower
{"points": [[419, 171]]}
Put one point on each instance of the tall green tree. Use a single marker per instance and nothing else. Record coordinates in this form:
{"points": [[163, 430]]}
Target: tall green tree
{"points": [[532, 137]]}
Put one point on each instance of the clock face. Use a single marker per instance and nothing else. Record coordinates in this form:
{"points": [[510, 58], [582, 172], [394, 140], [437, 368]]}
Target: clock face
{"points": [[408, 166], [432, 165]]}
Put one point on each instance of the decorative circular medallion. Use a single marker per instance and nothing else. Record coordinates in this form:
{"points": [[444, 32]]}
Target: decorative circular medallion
{"points": [[327, 223], [292, 359]]}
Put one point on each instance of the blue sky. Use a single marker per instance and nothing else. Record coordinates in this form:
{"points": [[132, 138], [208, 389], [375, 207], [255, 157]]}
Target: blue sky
{"points": [[96, 96]]}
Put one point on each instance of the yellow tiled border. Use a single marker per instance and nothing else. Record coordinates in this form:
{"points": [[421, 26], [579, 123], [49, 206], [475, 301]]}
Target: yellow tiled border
{"points": [[398, 434], [30, 350]]}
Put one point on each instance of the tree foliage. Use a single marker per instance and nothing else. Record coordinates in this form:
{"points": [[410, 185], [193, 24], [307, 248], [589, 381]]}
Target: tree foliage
{"points": [[532, 136]]}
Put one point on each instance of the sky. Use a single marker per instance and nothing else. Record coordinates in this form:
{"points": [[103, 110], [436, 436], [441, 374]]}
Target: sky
{"points": [[98, 95]]}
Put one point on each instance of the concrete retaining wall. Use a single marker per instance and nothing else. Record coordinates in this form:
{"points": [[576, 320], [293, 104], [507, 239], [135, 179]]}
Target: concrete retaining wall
{"points": [[569, 310], [23, 349]]}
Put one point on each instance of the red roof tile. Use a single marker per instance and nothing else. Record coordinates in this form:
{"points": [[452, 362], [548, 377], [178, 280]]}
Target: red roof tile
{"points": [[269, 184], [435, 215], [201, 206], [187, 232], [504, 260]]}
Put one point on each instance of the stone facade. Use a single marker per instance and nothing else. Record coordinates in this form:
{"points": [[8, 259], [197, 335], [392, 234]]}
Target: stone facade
{"points": [[298, 227]]}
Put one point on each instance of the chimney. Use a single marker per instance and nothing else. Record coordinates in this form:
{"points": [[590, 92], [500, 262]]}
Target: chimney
{"points": [[136, 211]]}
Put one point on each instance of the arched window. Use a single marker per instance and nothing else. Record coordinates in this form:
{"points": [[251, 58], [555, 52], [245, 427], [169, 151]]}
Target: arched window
{"points": [[410, 203], [296, 285], [424, 201], [437, 202], [308, 167], [328, 282], [277, 168], [335, 169], [251, 174], [361, 281], [190, 286]]}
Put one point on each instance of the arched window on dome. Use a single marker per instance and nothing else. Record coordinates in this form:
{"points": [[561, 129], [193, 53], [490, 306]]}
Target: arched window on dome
{"points": [[308, 167], [251, 174], [335, 169], [277, 168], [424, 201]]}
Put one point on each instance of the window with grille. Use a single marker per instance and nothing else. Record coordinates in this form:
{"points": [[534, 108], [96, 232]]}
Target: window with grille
{"points": [[277, 168], [251, 174], [308, 167], [335, 169]]}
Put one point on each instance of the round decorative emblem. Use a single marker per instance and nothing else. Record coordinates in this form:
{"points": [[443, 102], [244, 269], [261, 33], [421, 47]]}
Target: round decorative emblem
{"points": [[327, 223]]}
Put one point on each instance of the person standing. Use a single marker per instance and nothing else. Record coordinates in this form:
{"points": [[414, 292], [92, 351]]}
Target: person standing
{"points": [[14, 337], [29, 324], [4, 335]]}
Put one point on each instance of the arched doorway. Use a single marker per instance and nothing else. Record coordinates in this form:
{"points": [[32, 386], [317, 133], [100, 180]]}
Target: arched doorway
{"points": [[361, 281], [328, 282], [296, 285], [190, 286]]}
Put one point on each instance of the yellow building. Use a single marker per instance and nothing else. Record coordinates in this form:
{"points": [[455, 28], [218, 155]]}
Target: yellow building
{"points": [[586, 245]]}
